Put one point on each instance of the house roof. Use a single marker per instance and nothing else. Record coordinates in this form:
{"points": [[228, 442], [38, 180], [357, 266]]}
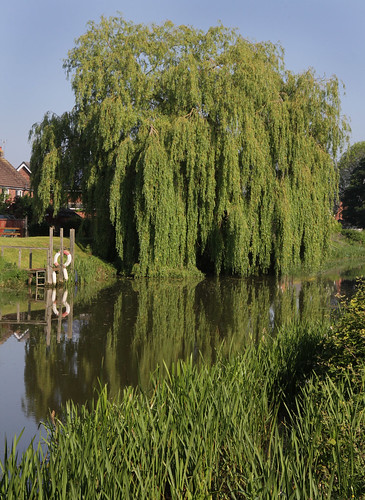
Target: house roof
{"points": [[24, 165], [9, 177]]}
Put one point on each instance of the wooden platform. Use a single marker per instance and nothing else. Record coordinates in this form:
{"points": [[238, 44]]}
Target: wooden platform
{"points": [[39, 274]]}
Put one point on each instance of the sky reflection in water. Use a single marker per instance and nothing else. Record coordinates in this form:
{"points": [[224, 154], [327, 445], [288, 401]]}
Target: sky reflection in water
{"points": [[60, 347]]}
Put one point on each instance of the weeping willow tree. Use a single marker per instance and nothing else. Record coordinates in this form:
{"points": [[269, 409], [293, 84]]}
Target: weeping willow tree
{"points": [[193, 150]]}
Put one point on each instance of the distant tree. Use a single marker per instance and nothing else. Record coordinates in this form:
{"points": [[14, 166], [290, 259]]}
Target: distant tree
{"points": [[4, 203], [55, 161], [353, 198], [193, 149], [22, 207], [348, 163]]}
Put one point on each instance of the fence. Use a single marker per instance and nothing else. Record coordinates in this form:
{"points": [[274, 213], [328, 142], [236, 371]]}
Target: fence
{"points": [[50, 270]]}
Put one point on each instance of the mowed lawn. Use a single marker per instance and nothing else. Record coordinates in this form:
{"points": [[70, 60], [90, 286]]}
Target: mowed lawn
{"points": [[11, 247]]}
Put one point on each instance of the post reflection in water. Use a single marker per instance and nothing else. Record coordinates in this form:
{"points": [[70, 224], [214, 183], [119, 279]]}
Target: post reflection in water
{"points": [[68, 344]]}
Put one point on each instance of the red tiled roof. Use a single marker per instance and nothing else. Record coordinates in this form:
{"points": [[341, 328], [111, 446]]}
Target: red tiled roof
{"points": [[10, 178]]}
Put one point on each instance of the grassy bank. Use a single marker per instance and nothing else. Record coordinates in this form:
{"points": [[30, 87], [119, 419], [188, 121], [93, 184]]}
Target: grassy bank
{"points": [[10, 276], [284, 419], [347, 245], [88, 267]]}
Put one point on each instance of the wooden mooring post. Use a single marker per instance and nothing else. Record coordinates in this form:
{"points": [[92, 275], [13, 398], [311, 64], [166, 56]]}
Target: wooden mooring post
{"points": [[60, 274], [72, 248], [50, 258], [50, 264]]}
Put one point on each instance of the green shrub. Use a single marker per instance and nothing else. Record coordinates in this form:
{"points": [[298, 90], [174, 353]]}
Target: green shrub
{"points": [[344, 347], [354, 235], [11, 276], [90, 269]]}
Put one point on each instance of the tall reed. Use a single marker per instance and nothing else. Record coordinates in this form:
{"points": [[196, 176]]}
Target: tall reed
{"points": [[259, 425]]}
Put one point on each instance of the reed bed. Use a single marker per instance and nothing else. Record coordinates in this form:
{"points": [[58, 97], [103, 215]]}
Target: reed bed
{"points": [[259, 425]]}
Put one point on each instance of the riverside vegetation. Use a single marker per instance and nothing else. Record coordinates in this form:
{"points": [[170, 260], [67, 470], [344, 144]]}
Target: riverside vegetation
{"points": [[344, 245], [89, 268], [284, 419]]}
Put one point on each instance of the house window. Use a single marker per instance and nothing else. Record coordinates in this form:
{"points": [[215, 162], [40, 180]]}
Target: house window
{"points": [[5, 191], [19, 193]]}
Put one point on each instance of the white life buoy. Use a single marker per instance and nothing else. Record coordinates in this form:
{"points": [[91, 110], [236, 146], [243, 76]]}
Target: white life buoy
{"points": [[67, 310], [54, 277], [64, 314], [54, 309], [68, 260], [64, 303]]}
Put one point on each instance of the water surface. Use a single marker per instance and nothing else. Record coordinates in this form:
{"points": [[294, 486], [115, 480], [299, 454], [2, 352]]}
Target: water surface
{"points": [[55, 347]]}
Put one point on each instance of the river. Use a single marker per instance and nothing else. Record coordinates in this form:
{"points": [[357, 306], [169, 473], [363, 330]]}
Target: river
{"points": [[56, 346]]}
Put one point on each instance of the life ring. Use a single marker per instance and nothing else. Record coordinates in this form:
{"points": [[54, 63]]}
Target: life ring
{"points": [[54, 308], [64, 314], [54, 275], [68, 260], [64, 303]]}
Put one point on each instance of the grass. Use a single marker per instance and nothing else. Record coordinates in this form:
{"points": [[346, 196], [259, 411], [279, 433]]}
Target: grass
{"points": [[10, 276], [88, 267], [347, 244], [11, 254]]}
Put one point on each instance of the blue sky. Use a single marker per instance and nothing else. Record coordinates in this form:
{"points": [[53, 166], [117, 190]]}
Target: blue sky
{"points": [[35, 36]]}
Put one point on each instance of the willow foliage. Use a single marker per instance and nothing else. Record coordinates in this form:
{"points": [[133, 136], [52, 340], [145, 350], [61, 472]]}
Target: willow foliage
{"points": [[194, 150]]}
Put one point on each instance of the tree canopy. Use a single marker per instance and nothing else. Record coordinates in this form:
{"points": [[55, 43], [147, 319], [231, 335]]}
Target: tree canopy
{"points": [[349, 161], [193, 150], [353, 198]]}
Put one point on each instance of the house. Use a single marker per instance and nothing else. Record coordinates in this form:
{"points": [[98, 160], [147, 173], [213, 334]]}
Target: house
{"points": [[24, 170], [13, 182]]}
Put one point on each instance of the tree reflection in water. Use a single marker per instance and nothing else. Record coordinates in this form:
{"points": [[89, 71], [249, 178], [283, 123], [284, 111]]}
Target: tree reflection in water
{"points": [[122, 334]]}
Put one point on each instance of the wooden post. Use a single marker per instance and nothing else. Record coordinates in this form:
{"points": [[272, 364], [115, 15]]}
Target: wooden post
{"points": [[30, 259], [72, 248], [70, 320], [50, 257], [61, 256], [48, 270], [20, 258], [48, 316], [59, 319]]}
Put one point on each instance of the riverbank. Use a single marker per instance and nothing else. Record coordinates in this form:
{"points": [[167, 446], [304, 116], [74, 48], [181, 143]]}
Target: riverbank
{"points": [[283, 419], [89, 269], [345, 246]]}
